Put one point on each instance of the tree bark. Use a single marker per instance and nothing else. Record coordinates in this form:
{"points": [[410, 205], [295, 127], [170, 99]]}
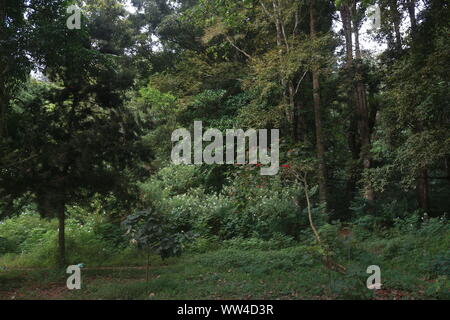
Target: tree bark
{"points": [[3, 71], [396, 19], [354, 171], [358, 95], [422, 189], [296, 120], [300, 122], [291, 107], [362, 110], [447, 167], [288, 87], [352, 137], [320, 148], [412, 15], [347, 26], [3, 109]]}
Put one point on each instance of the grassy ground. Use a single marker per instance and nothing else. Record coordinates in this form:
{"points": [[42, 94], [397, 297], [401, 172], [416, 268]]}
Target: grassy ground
{"points": [[291, 273], [414, 263]]}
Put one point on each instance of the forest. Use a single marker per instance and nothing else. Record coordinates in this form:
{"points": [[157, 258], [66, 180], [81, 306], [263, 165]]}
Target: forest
{"points": [[342, 191]]}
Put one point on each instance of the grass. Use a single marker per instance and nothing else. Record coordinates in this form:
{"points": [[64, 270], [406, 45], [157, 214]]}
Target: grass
{"points": [[189, 277], [413, 266], [223, 274]]}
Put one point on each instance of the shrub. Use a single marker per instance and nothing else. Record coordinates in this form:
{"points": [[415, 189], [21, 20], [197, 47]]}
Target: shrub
{"points": [[206, 215], [169, 181], [24, 230], [90, 240], [6, 245], [440, 265], [203, 244], [439, 289], [149, 230]]}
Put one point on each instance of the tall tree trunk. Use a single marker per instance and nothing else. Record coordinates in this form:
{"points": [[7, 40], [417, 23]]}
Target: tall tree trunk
{"points": [[350, 27], [287, 85], [362, 111], [296, 123], [396, 19], [347, 26], [447, 167], [301, 121], [355, 149], [3, 109], [422, 189], [291, 108], [51, 204], [411, 5], [353, 137], [318, 114], [385, 16], [3, 72]]}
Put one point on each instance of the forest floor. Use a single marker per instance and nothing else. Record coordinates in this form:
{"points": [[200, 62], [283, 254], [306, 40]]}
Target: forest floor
{"points": [[222, 274]]}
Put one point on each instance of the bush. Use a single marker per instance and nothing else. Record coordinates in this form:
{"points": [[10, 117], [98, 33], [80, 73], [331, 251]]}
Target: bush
{"points": [[205, 215], [278, 241], [440, 265], [23, 231], [439, 289], [170, 181], [203, 244], [6, 246], [91, 241], [111, 233], [272, 215]]}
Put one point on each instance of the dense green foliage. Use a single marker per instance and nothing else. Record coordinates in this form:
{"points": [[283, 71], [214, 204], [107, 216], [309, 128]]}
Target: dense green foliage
{"points": [[413, 254], [86, 118]]}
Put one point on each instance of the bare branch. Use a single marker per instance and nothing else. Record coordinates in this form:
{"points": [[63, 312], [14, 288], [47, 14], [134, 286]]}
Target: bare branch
{"points": [[265, 10], [299, 82], [237, 48], [295, 24]]}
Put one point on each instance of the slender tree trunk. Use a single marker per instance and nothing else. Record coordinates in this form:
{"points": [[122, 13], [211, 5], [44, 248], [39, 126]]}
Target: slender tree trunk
{"points": [[347, 26], [3, 108], [411, 4], [61, 235], [291, 111], [362, 110], [301, 121], [2, 12], [296, 124], [355, 149], [353, 137], [422, 189], [3, 71], [396, 19], [318, 121], [359, 95], [385, 13], [447, 167], [284, 84]]}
